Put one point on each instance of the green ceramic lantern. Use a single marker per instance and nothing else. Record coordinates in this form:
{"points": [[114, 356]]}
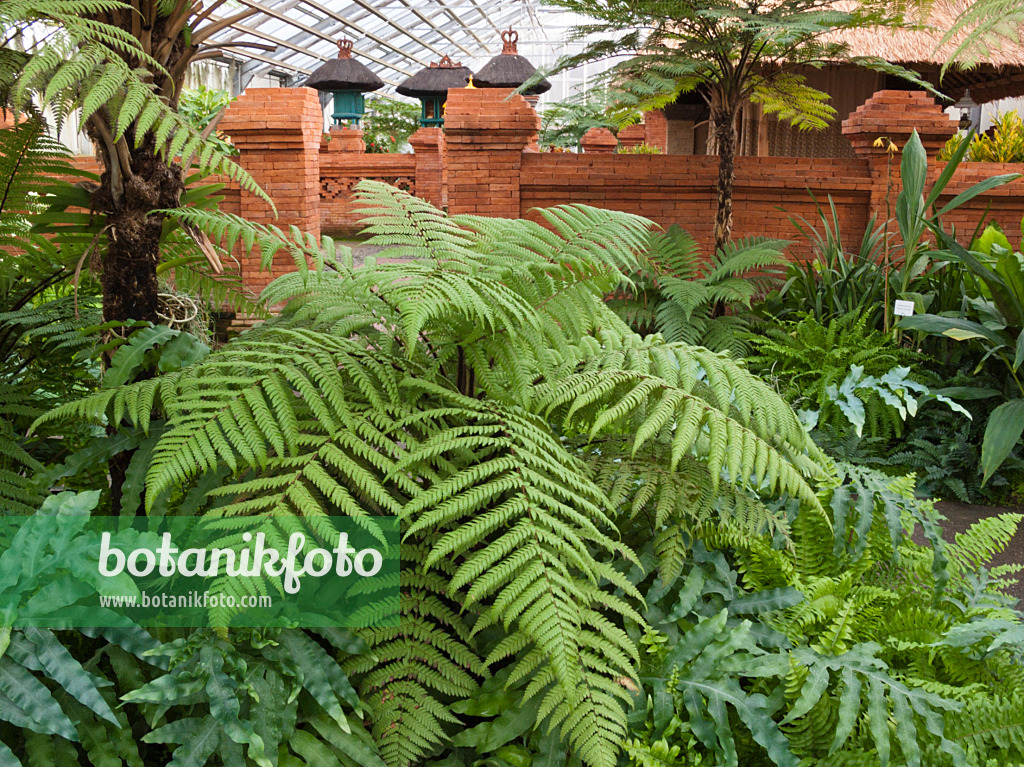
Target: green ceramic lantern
{"points": [[430, 85], [346, 80], [349, 107]]}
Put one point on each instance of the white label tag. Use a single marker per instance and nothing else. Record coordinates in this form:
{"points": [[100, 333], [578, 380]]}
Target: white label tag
{"points": [[904, 308]]}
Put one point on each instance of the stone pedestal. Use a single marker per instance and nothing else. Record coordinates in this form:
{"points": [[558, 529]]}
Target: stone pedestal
{"points": [[344, 140]]}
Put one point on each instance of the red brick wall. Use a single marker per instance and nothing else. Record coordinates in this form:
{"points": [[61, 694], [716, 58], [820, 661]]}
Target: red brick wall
{"points": [[680, 189], [340, 171], [478, 165], [486, 132], [429, 155]]}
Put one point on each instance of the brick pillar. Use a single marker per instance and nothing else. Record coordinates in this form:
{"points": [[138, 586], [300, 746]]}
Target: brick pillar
{"points": [[893, 116], [656, 127], [278, 133], [599, 141], [486, 133], [428, 146], [343, 139], [633, 136]]}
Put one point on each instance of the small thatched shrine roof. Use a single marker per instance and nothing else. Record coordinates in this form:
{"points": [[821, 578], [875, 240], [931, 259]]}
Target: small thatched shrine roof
{"points": [[508, 69], [1000, 75], [434, 82], [344, 73]]}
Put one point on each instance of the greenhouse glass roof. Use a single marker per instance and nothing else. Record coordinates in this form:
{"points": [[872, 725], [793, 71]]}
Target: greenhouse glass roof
{"points": [[394, 38]]}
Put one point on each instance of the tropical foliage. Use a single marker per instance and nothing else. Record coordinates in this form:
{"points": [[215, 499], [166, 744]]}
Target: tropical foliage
{"points": [[388, 124], [618, 545]]}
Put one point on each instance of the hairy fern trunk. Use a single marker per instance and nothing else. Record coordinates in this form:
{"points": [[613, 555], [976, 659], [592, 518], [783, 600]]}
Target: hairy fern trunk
{"points": [[131, 290], [129, 279], [138, 180]]}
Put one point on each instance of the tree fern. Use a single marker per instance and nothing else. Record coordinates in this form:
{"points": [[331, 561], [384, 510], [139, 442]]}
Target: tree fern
{"points": [[466, 392], [86, 65], [677, 294], [42, 343]]}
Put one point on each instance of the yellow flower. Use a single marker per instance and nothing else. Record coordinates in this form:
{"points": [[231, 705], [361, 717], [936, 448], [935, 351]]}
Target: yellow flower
{"points": [[878, 141]]}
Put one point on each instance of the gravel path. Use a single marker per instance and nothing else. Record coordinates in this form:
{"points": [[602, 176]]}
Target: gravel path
{"points": [[960, 516], [360, 250]]}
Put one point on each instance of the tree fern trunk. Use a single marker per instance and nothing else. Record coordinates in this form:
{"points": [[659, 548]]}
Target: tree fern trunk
{"points": [[129, 278], [723, 130], [130, 289], [136, 182]]}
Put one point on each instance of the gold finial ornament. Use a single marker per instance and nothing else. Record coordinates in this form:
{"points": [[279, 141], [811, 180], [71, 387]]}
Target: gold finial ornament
{"points": [[344, 49]]}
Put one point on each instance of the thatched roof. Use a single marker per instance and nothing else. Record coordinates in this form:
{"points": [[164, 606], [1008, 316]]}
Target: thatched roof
{"points": [[344, 73], [434, 82], [917, 48], [508, 69], [920, 45]]}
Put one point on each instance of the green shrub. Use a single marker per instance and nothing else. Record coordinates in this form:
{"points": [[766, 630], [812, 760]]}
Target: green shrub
{"points": [[835, 281], [465, 391], [790, 646], [1005, 144], [993, 322], [902, 264], [388, 124]]}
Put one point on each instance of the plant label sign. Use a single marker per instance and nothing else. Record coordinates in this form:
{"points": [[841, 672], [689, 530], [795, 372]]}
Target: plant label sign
{"points": [[903, 308]]}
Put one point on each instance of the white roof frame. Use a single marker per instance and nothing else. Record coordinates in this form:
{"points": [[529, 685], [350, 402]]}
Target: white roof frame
{"points": [[394, 38]]}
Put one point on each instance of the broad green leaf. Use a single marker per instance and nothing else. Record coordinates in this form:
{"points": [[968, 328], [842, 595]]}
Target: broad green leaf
{"points": [[32, 698], [130, 357], [979, 188], [58, 664], [180, 352], [1002, 432], [225, 706], [949, 170], [813, 688], [312, 750], [322, 675], [513, 722], [936, 325], [765, 601], [199, 741], [7, 757], [354, 742]]}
